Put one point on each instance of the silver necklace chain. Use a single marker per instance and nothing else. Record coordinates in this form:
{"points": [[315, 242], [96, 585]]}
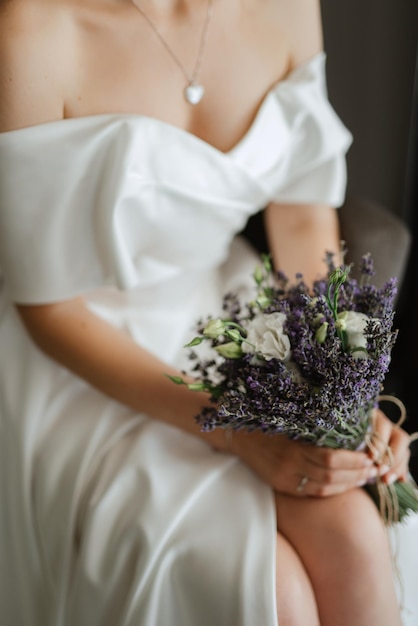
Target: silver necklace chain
{"points": [[193, 92]]}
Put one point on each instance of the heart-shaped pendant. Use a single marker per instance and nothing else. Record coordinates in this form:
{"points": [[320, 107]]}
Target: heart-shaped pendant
{"points": [[194, 93]]}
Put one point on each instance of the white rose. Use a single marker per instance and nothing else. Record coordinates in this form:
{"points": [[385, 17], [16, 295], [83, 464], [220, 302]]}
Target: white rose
{"points": [[266, 335], [354, 325]]}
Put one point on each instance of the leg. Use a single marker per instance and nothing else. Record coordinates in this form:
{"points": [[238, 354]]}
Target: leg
{"points": [[295, 598], [344, 548]]}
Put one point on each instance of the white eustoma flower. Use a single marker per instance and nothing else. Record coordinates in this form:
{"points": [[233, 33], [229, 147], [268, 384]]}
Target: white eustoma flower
{"points": [[354, 324], [266, 336]]}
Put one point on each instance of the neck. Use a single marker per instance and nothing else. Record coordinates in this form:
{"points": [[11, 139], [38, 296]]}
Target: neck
{"points": [[170, 6]]}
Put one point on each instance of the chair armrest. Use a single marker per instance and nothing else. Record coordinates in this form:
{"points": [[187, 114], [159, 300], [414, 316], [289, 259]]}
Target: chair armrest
{"points": [[369, 227]]}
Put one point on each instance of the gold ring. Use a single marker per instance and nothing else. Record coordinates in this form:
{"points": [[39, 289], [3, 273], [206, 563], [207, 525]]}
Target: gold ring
{"points": [[302, 484]]}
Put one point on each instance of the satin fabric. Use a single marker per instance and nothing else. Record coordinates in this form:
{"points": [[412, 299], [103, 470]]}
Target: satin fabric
{"points": [[109, 517]]}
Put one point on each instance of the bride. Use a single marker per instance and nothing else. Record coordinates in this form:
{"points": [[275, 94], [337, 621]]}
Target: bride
{"points": [[137, 138]]}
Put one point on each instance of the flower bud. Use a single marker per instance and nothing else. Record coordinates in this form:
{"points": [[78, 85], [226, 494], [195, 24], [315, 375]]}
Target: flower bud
{"points": [[214, 328], [338, 276], [319, 319], [341, 321], [229, 350], [321, 333], [258, 275], [263, 301], [233, 334]]}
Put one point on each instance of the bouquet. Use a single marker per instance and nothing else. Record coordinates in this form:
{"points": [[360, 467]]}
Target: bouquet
{"points": [[306, 363]]}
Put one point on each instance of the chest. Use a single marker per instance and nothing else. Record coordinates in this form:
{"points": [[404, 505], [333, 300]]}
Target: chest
{"points": [[128, 65]]}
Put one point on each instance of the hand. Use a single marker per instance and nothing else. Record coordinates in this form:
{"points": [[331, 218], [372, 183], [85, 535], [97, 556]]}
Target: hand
{"points": [[390, 450], [283, 463]]}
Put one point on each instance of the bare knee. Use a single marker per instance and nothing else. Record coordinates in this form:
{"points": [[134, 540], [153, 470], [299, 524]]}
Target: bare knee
{"points": [[350, 519], [344, 548], [353, 520]]}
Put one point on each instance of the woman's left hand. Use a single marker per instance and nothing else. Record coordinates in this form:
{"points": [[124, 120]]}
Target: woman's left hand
{"points": [[390, 449]]}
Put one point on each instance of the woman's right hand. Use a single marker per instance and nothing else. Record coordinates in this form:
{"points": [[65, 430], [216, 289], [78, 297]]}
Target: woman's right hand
{"points": [[300, 469]]}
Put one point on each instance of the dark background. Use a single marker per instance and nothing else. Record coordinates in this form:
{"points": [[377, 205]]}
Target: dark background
{"points": [[372, 70]]}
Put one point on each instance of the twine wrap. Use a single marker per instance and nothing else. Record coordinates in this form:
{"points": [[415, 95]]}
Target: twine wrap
{"points": [[382, 455]]}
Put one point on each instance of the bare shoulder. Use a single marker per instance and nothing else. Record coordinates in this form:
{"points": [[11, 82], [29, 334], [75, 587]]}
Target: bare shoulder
{"points": [[304, 23], [301, 22], [33, 60]]}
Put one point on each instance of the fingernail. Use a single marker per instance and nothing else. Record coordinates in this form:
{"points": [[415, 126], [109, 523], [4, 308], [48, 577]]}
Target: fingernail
{"points": [[391, 479], [361, 483], [383, 469], [368, 462], [373, 472]]}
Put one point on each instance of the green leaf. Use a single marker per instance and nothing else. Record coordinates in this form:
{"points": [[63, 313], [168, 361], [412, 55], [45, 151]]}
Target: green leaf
{"points": [[178, 380], [194, 342], [197, 386]]}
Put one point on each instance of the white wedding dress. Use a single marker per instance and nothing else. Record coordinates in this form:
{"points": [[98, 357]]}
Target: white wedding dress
{"points": [[109, 518]]}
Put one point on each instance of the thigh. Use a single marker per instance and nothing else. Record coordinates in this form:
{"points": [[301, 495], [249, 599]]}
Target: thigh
{"points": [[343, 546], [347, 516], [296, 604]]}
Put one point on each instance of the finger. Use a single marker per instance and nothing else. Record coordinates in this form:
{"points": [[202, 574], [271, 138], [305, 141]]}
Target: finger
{"points": [[331, 459], [378, 440], [394, 459], [336, 470], [337, 480], [399, 443], [314, 488]]}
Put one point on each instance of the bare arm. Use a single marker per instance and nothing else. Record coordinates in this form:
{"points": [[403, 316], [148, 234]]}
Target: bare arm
{"points": [[299, 236], [112, 362]]}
